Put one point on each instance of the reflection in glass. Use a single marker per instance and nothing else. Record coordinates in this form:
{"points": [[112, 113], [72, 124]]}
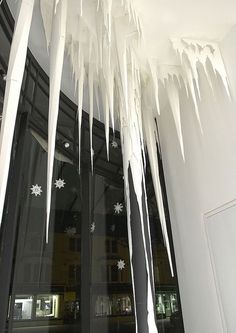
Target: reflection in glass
{"points": [[23, 307], [47, 306], [53, 276]]}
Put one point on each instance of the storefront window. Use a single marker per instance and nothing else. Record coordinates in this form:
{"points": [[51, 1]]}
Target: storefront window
{"points": [[80, 281], [47, 306], [114, 305], [31, 307], [23, 307]]}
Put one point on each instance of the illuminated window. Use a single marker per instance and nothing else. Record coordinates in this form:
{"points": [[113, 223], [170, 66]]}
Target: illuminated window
{"points": [[23, 307], [47, 306]]}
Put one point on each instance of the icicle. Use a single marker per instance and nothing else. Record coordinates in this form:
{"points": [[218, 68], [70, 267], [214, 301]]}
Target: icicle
{"points": [[200, 52], [155, 85], [96, 89], [173, 96], [56, 2], [122, 63], [47, 12], [150, 136], [192, 91], [98, 5], [128, 209], [81, 7], [14, 78], [107, 128], [109, 6], [80, 102], [132, 158], [56, 64], [90, 86], [110, 89]]}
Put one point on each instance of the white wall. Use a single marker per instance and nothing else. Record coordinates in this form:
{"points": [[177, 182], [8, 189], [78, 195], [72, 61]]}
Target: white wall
{"points": [[205, 181]]}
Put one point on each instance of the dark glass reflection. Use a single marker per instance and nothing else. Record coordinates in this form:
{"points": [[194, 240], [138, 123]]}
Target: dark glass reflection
{"points": [[112, 297], [46, 283], [49, 278]]}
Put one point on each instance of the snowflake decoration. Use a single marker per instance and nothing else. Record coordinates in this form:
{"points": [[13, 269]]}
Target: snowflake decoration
{"points": [[36, 190], [113, 227], [92, 227], [121, 264], [70, 231], [59, 183], [118, 208], [114, 144]]}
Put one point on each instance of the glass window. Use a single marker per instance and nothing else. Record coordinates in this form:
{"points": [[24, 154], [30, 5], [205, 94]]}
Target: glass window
{"points": [[23, 307], [5, 48], [81, 278], [47, 306]]}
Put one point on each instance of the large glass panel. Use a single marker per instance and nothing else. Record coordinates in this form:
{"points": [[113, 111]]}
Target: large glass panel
{"points": [[112, 295], [168, 310], [47, 273], [80, 281]]}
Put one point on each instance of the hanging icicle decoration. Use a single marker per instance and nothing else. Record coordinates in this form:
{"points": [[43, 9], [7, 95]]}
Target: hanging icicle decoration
{"points": [[199, 52], [14, 79], [104, 41], [57, 46]]}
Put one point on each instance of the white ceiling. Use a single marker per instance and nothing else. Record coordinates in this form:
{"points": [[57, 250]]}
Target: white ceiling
{"points": [[161, 19], [197, 19]]}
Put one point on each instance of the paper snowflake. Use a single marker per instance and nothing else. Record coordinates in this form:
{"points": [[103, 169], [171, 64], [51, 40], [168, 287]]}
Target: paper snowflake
{"points": [[59, 183], [92, 227], [121, 264], [70, 231], [118, 208], [113, 227], [114, 144], [36, 190]]}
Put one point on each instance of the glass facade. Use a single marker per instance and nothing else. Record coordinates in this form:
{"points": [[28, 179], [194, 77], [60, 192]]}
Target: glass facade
{"points": [[80, 281]]}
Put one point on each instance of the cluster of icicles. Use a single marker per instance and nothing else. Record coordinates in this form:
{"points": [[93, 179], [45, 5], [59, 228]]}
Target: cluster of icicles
{"points": [[105, 43]]}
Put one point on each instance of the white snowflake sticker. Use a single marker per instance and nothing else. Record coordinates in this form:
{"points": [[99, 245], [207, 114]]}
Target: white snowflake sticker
{"points": [[118, 208], [36, 190], [92, 227], [59, 183], [70, 231], [114, 144], [121, 264]]}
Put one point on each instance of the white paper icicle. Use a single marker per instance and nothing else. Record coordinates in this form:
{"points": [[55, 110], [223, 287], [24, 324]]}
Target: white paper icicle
{"points": [[57, 47], [15, 73], [173, 96], [90, 88], [80, 103], [133, 159], [151, 143], [47, 10]]}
